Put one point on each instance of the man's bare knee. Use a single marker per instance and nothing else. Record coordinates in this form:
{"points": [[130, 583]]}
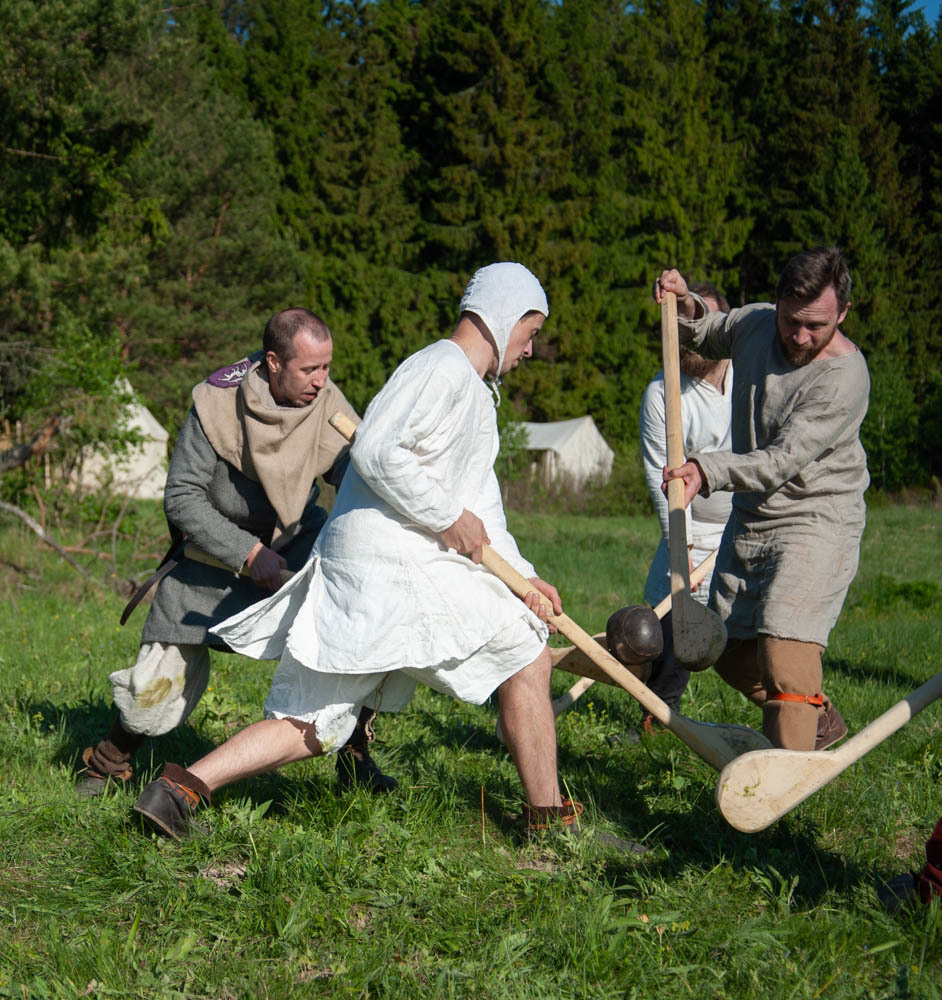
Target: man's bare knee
{"points": [[536, 673], [307, 730]]}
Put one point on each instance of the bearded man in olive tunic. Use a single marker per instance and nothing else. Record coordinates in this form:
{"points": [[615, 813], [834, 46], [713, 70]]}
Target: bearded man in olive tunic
{"points": [[798, 474]]}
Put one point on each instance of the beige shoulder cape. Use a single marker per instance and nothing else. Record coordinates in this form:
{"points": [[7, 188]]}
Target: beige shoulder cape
{"points": [[284, 448]]}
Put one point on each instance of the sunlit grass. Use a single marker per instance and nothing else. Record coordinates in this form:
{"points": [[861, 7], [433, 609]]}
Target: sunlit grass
{"points": [[301, 891]]}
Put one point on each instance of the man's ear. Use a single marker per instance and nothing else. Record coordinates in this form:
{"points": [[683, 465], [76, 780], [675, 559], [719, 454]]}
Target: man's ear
{"points": [[840, 319], [273, 362]]}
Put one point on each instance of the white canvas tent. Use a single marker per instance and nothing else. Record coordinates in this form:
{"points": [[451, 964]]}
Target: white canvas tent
{"points": [[142, 471], [570, 451]]}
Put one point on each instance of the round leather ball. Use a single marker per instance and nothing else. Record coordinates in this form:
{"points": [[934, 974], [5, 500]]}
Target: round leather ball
{"points": [[634, 635]]}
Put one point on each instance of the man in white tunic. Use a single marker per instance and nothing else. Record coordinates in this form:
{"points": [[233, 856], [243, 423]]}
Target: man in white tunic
{"points": [[393, 594], [706, 389], [798, 474]]}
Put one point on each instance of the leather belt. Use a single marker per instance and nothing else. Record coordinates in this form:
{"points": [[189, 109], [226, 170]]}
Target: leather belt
{"points": [[168, 562]]}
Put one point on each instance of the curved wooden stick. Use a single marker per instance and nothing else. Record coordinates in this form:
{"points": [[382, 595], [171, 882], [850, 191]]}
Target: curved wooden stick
{"points": [[699, 633], [570, 658], [755, 790]]}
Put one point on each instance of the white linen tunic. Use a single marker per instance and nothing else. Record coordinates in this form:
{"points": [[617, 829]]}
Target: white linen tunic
{"points": [[381, 593], [705, 412]]}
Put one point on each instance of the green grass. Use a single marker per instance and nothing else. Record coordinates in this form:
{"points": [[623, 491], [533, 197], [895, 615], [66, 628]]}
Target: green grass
{"points": [[301, 891]]}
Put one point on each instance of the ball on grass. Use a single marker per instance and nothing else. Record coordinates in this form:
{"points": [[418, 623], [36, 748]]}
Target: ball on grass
{"points": [[634, 635]]}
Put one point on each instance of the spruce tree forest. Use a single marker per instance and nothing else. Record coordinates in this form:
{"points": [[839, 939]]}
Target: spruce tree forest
{"points": [[170, 175]]}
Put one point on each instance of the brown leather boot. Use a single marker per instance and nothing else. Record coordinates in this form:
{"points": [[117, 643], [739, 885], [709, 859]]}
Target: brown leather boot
{"points": [[108, 762], [355, 766], [831, 728], [549, 825], [169, 803]]}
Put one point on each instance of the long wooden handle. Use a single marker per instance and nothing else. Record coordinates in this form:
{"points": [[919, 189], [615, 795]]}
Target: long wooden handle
{"points": [[343, 425], [699, 633], [677, 518], [710, 742], [582, 685], [577, 635], [197, 554]]}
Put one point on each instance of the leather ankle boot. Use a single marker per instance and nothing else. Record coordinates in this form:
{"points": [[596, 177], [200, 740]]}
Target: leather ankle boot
{"points": [[355, 766]]}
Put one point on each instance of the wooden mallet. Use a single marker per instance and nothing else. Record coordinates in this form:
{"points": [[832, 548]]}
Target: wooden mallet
{"points": [[699, 633], [716, 743], [576, 662], [759, 787]]}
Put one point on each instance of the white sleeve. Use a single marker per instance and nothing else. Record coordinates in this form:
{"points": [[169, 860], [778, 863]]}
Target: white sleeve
{"points": [[654, 448], [411, 409]]}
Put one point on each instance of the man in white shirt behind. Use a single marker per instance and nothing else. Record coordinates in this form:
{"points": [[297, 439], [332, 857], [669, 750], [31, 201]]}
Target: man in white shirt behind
{"points": [[706, 392]]}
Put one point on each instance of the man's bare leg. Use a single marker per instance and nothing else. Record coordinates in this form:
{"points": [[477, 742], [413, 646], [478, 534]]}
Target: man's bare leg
{"points": [[170, 801], [260, 747], [529, 727]]}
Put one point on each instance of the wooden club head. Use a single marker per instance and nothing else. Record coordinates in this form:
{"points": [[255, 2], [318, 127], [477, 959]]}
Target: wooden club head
{"points": [[634, 635], [699, 633], [756, 789]]}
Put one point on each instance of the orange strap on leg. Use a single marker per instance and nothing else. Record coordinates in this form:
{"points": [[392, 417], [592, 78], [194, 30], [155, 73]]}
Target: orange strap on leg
{"points": [[806, 699]]}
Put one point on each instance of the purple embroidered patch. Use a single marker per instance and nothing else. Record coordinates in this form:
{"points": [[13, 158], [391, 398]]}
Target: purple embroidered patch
{"points": [[229, 375]]}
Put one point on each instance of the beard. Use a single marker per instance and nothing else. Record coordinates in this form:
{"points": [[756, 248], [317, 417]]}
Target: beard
{"points": [[694, 365], [801, 356]]}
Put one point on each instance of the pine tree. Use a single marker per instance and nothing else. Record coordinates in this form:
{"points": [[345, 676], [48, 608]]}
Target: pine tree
{"points": [[491, 187], [201, 216], [161, 260], [325, 81], [907, 59], [68, 135]]}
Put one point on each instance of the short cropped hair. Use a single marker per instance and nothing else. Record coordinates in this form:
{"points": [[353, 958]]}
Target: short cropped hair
{"points": [[809, 273], [284, 326], [707, 291]]}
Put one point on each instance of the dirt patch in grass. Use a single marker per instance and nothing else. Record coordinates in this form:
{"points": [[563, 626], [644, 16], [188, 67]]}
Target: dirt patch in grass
{"points": [[538, 865], [226, 876], [359, 918], [907, 845], [310, 972], [17, 875]]}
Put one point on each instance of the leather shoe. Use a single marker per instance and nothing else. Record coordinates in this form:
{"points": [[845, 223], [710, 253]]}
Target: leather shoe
{"points": [[90, 783], [169, 805], [357, 769], [831, 728]]}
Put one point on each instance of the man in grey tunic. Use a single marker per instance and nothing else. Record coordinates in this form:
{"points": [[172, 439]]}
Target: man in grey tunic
{"points": [[242, 486], [798, 473]]}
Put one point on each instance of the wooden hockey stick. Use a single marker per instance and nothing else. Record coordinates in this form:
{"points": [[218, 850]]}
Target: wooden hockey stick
{"points": [[570, 658], [716, 743], [699, 633], [755, 790]]}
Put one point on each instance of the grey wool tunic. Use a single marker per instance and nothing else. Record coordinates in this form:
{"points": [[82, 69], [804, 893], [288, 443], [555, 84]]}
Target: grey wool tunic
{"points": [[798, 473], [225, 513]]}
